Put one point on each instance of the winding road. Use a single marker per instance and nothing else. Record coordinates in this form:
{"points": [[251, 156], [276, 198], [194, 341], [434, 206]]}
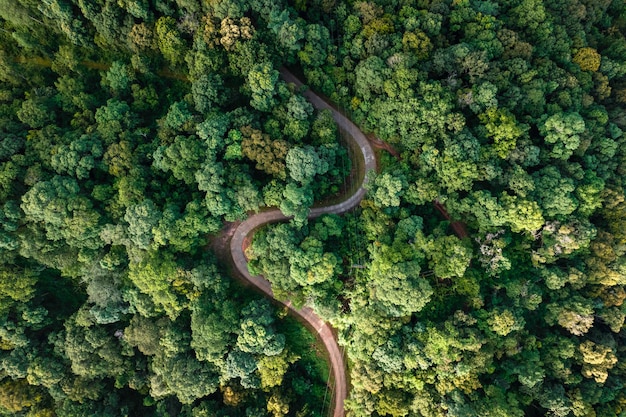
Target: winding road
{"points": [[247, 227]]}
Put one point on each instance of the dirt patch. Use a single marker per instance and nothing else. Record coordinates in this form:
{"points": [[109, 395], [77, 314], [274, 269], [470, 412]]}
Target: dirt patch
{"points": [[247, 241], [379, 144], [220, 243], [459, 228]]}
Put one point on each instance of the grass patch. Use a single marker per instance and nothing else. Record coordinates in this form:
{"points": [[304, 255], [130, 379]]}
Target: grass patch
{"points": [[310, 349], [309, 376]]}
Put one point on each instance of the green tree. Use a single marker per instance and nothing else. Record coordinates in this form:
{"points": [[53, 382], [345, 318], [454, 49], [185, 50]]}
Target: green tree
{"points": [[521, 215], [142, 218], [119, 158], [588, 59], [563, 130], [144, 334], [182, 158], [92, 351], [311, 265], [554, 192], [575, 315], [597, 360], [262, 81], [449, 257], [169, 40], [208, 92], [268, 154], [505, 321], [298, 112], [211, 178], [184, 229], [118, 78], [257, 335], [503, 128], [158, 276], [398, 287], [113, 119], [79, 158], [36, 113], [63, 212], [388, 189], [278, 405], [67, 22], [178, 117], [324, 129], [314, 52], [370, 76], [304, 163], [242, 365], [297, 202], [289, 32], [272, 369], [213, 328], [18, 395], [184, 376], [17, 285], [138, 8]]}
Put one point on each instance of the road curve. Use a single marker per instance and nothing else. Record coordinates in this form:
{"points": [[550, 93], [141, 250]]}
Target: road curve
{"points": [[253, 222]]}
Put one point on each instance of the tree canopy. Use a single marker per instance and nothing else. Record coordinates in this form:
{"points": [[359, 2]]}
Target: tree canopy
{"points": [[482, 275]]}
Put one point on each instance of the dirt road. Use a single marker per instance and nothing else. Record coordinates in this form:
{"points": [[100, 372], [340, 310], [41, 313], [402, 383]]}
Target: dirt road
{"points": [[324, 330]]}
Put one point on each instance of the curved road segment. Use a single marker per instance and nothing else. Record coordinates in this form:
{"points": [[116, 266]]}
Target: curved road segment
{"points": [[255, 221]]}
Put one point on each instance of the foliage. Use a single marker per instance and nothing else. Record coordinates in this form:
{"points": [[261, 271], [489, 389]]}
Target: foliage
{"points": [[131, 130], [503, 118], [483, 274]]}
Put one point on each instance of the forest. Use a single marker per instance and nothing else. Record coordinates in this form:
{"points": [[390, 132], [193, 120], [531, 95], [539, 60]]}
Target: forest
{"points": [[482, 275]]}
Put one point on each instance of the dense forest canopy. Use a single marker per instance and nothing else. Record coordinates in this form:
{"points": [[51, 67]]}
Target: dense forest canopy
{"points": [[131, 131]]}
